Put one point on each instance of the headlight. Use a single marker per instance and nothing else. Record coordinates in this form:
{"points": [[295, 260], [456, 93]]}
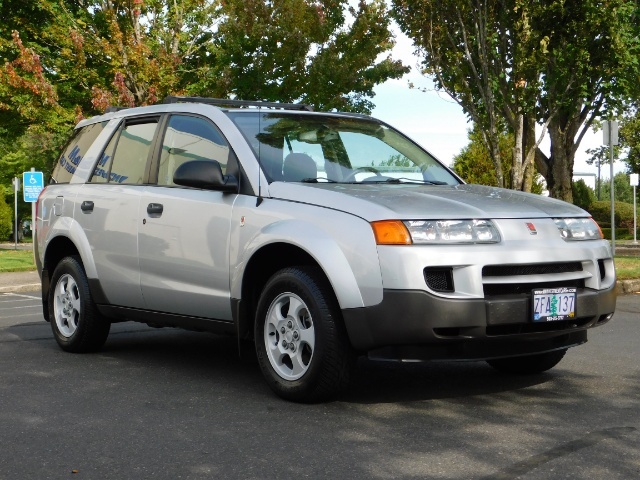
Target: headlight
{"points": [[572, 229], [452, 231]]}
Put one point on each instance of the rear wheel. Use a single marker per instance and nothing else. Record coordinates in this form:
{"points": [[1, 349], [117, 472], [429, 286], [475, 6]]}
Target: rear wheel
{"points": [[76, 323], [301, 343], [528, 364]]}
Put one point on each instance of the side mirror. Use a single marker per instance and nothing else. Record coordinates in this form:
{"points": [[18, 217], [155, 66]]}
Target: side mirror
{"points": [[204, 174]]}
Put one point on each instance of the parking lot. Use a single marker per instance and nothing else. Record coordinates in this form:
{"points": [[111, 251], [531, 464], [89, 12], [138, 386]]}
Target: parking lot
{"points": [[175, 404]]}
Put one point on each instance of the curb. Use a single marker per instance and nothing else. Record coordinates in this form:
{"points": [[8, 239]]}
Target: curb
{"points": [[628, 287], [29, 287]]}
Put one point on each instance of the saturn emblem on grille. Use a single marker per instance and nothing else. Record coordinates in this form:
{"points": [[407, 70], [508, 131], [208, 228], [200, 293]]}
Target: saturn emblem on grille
{"points": [[532, 228]]}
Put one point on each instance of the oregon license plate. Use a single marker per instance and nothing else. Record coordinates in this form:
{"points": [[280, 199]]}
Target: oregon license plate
{"points": [[553, 304]]}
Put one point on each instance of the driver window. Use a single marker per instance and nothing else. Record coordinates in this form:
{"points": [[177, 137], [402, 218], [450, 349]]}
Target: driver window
{"points": [[190, 138]]}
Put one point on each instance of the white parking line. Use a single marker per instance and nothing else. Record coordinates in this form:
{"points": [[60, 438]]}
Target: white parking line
{"points": [[2, 309], [20, 295], [16, 316]]}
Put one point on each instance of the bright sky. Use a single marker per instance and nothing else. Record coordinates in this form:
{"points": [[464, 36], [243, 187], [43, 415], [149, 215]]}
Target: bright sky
{"points": [[436, 121]]}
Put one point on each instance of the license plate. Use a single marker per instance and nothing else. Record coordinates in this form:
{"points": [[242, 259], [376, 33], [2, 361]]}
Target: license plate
{"points": [[553, 304]]}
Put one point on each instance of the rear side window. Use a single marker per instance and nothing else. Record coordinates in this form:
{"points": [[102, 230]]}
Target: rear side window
{"points": [[126, 156], [75, 150]]}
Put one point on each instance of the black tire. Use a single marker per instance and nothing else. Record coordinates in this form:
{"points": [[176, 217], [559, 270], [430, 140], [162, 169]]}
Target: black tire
{"points": [[75, 321], [317, 360], [528, 364]]}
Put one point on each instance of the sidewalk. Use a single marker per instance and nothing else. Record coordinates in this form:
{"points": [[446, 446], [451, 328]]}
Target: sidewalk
{"points": [[14, 282]]}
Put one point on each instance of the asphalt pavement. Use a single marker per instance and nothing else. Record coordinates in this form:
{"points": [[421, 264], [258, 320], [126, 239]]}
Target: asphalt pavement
{"points": [[172, 404]]}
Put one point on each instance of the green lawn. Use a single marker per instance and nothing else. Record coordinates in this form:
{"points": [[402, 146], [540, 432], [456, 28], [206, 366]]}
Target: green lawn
{"points": [[22, 261], [16, 261], [627, 267]]}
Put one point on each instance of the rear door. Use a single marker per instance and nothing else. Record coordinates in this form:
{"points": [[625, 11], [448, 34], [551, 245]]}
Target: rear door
{"points": [[183, 235], [107, 209]]}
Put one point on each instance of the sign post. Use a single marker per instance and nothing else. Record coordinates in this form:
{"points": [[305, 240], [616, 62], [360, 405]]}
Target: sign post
{"points": [[610, 131], [33, 184], [633, 179]]}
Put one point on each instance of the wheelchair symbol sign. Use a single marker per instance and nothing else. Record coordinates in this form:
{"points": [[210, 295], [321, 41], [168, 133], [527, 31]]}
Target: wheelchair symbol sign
{"points": [[33, 183]]}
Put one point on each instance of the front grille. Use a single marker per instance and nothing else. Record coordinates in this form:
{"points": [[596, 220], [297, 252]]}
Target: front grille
{"points": [[494, 289], [534, 269]]}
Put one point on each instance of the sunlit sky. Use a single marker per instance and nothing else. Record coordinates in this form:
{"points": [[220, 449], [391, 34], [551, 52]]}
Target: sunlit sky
{"points": [[437, 122]]}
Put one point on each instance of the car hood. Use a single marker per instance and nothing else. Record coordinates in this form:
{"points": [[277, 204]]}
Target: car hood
{"points": [[412, 201]]}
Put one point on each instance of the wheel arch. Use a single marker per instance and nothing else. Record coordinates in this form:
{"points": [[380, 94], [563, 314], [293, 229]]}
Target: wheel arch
{"points": [[264, 262], [73, 242]]}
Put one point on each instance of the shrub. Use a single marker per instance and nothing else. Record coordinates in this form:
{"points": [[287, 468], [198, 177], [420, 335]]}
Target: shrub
{"points": [[6, 219], [601, 212], [583, 196]]}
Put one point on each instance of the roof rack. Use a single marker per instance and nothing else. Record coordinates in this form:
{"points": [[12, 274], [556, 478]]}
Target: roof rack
{"points": [[221, 102], [111, 109]]}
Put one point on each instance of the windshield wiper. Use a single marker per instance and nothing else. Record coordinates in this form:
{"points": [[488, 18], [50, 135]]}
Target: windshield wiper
{"points": [[414, 180]]}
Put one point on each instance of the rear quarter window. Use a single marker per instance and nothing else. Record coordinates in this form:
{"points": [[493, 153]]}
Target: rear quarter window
{"points": [[74, 151]]}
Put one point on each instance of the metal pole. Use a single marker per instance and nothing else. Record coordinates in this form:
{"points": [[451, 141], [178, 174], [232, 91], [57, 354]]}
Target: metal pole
{"points": [[613, 220], [15, 210], [635, 212], [33, 217], [598, 180]]}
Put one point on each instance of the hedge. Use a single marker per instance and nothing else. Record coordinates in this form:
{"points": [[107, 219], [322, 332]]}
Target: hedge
{"points": [[601, 212]]}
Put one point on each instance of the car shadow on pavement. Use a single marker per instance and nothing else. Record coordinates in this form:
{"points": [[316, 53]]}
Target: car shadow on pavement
{"points": [[215, 359]]}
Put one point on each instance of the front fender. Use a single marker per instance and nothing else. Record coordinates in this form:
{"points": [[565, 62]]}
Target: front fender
{"points": [[346, 254]]}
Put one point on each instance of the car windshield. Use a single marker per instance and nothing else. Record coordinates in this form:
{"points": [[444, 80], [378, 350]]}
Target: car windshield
{"points": [[298, 147]]}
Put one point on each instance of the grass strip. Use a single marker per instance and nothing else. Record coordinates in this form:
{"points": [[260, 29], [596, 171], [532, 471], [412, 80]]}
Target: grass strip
{"points": [[22, 261], [16, 261]]}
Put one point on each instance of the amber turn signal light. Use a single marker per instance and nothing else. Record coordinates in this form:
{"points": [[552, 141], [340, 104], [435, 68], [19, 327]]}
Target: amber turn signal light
{"points": [[391, 232]]}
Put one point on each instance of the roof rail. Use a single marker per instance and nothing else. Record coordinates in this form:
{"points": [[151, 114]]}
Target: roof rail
{"points": [[111, 109], [221, 102]]}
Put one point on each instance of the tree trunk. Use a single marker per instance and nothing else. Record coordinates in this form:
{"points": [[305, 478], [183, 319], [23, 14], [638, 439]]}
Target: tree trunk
{"points": [[560, 172], [517, 167]]}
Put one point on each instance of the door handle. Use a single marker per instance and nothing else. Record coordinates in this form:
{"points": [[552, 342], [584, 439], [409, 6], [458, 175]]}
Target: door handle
{"points": [[154, 208], [87, 206]]}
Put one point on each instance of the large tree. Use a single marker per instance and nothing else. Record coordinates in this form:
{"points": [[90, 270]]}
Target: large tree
{"points": [[65, 59], [557, 63]]}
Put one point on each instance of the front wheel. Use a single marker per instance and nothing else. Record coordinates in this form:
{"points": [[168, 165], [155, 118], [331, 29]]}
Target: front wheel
{"points": [[301, 343], [76, 323], [528, 364]]}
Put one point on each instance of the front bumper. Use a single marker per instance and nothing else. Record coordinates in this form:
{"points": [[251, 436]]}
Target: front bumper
{"points": [[416, 325]]}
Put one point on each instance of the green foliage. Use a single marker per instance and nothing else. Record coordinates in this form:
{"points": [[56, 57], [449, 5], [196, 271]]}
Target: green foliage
{"points": [[602, 155], [398, 160], [621, 234], [474, 163], [601, 212], [6, 219], [295, 50], [66, 59], [622, 189], [630, 137], [560, 63], [583, 195]]}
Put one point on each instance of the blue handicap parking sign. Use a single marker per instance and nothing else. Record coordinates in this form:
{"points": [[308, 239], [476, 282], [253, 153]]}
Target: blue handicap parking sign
{"points": [[33, 183]]}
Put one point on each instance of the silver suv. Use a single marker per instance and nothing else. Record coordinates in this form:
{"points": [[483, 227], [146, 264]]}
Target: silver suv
{"points": [[316, 237]]}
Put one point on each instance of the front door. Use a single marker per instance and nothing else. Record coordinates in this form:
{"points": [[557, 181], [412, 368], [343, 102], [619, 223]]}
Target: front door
{"points": [[183, 236]]}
